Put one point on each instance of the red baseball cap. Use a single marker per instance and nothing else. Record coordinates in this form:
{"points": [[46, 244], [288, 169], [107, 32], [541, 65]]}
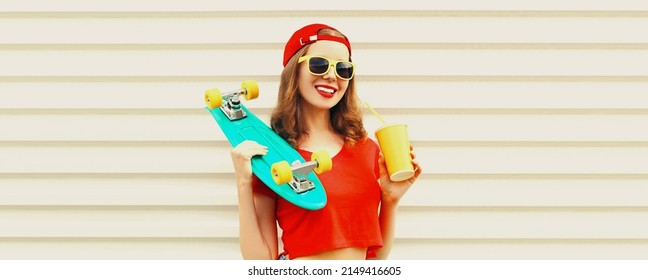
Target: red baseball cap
{"points": [[308, 35]]}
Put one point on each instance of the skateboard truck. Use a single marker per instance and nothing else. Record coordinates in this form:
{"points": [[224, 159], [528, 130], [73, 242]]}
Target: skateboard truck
{"points": [[300, 170], [295, 175], [232, 108], [232, 105]]}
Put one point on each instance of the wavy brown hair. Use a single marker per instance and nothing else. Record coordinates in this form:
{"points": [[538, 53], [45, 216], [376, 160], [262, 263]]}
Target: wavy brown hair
{"points": [[346, 116]]}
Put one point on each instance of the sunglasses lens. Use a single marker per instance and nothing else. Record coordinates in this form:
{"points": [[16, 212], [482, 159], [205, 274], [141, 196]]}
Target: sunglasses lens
{"points": [[318, 65], [344, 70]]}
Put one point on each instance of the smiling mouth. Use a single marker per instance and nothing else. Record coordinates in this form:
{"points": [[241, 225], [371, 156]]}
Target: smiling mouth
{"points": [[326, 91]]}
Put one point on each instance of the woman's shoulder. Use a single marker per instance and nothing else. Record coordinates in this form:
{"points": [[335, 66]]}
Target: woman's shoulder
{"points": [[365, 145], [370, 142]]}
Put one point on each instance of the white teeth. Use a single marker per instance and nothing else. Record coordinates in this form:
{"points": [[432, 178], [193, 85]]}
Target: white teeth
{"points": [[328, 90]]}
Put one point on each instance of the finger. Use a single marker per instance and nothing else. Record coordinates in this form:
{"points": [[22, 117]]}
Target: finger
{"points": [[417, 167], [260, 151], [249, 144], [381, 164], [249, 150], [261, 147], [256, 150]]}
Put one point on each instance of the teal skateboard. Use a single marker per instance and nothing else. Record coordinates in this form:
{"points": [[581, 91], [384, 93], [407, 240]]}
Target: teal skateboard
{"points": [[282, 169]]}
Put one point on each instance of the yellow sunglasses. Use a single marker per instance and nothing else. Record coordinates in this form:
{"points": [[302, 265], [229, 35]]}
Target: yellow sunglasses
{"points": [[320, 65]]}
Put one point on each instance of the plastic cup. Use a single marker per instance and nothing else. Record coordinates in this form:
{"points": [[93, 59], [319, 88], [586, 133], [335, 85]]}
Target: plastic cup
{"points": [[394, 143]]}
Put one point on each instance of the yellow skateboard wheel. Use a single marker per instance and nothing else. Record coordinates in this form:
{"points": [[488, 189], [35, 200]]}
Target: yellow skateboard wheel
{"points": [[213, 98], [251, 89], [324, 162], [281, 172]]}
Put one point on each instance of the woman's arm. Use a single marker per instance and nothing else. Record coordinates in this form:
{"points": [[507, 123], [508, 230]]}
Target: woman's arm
{"points": [[257, 223], [392, 192], [387, 221]]}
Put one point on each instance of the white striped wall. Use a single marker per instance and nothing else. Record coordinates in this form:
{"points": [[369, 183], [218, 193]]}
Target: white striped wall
{"points": [[530, 119]]}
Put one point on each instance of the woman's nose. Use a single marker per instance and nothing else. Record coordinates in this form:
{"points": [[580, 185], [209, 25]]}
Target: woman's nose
{"points": [[330, 73]]}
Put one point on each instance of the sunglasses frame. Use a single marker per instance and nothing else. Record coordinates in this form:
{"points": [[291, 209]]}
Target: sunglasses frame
{"points": [[332, 63]]}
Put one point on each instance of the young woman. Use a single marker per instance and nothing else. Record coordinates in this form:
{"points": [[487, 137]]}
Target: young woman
{"points": [[318, 110]]}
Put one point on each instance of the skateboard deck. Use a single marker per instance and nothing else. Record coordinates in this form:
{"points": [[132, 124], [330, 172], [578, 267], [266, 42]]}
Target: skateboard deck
{"points": [[280, 158]]}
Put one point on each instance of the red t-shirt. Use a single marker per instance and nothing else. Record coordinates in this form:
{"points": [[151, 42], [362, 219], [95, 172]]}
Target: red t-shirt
{"points": [[350, 217]]}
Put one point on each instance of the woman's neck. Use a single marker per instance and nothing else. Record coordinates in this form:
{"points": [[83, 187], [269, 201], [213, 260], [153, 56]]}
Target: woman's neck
{"points": [[321, 134], [316, 120]]}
